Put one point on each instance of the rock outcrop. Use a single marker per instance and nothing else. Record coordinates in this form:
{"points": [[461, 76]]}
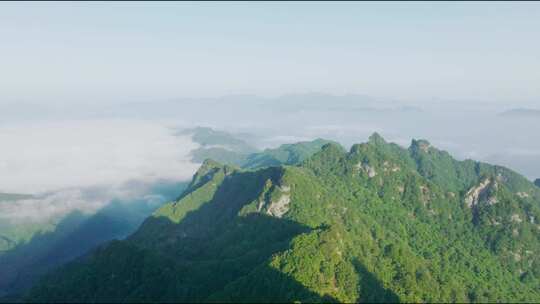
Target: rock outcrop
{"points": [[277, 207], [369, 170], [481, 193]]}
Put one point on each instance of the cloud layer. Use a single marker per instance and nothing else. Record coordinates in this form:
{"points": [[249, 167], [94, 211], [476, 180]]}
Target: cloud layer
{"points": [[83, 165], [51, 156]]}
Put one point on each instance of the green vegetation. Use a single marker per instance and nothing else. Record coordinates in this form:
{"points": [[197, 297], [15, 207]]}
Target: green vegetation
{"points": [[209, 137], [227, 149], [34, 248], [376, 224], [287, 154], [12, 235], [218, 145]]}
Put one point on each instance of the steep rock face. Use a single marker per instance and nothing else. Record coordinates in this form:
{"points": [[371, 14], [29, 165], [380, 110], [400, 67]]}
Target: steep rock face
{"points": [[370, 171], [324, 231], [483, 192], [276, 207]]}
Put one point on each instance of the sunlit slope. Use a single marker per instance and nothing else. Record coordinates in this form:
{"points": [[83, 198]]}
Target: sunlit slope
{"points": [[228, 149], [376, 224]]}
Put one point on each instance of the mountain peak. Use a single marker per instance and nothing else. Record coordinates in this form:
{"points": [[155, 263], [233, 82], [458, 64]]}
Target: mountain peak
{"points": [[376, 138], [420, 144], [207, 169], [310, 214], [332, 146], [209, 164], [521, 113]]}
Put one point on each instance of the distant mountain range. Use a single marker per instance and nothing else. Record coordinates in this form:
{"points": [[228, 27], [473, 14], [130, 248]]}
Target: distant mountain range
{"points": [[377, 223], [222, 107], [228, 149], [521, 113], [13, 196], [28, 250]]}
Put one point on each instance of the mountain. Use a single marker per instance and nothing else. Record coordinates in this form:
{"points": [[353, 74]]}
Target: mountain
{"points": [[377, 223], [537, 182], [218, 145], [13, 196], [208, 137], [32, 249], [521, 113], [287, 154], [229, 149], [36, 248], [10, 236]]}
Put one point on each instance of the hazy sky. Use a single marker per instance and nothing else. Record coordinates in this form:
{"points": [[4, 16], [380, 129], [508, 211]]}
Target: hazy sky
{"points": [[460, 64], [103, 52]]}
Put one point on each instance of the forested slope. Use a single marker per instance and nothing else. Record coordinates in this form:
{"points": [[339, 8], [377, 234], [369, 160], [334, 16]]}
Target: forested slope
{"points": [[378, 223]]}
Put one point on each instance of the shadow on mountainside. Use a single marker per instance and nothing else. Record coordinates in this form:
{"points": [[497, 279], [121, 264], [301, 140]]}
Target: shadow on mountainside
{"points": [[21, 265], [74, 235], [268, 285], [371, 290], [195, 260], [231, 266], [210, 219]]}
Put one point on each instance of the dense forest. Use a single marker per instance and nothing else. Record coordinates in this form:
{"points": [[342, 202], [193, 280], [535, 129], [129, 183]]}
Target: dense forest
{"points": [[377, 223]]}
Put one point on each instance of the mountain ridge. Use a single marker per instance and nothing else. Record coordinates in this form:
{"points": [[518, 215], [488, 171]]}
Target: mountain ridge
{"points": [[375, 223], [521, 113]]}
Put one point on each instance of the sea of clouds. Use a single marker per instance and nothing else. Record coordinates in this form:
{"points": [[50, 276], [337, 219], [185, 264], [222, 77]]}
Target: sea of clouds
{"points": [[84, 164], [59, 160]]}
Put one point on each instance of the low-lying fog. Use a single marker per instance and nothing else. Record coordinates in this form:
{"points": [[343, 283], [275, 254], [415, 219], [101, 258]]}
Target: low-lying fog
{"points": [[83, 156]]}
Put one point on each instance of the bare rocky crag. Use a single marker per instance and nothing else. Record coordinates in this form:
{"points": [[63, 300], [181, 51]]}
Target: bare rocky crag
{"points": [[481, 193], [277, 207]]}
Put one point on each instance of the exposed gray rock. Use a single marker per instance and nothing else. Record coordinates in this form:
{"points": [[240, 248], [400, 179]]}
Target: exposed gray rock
{"points": [[479, 193], [515, 218], [279, 207], [522, 194], [369, 170]]}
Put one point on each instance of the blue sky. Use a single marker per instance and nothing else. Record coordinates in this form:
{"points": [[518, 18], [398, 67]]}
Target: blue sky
{"points": [[106, 52]]}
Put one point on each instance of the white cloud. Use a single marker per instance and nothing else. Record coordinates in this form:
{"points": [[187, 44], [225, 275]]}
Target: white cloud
{"points": [[51, 156], [83, 165], [49, 206], [54, 205]]}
